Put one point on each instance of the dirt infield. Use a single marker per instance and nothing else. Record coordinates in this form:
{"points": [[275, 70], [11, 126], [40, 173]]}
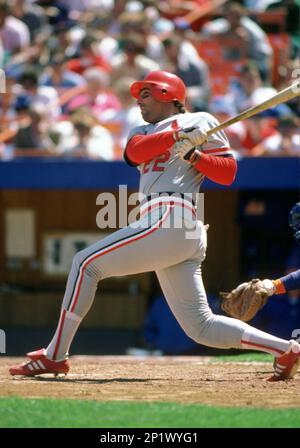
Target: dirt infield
{"points": [[165, 379]]}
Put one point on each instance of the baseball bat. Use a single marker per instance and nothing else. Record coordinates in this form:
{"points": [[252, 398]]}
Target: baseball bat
{"points": [[281, 97]]}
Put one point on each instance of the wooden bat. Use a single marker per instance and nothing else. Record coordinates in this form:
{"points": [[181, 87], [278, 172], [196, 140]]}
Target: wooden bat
{"points": [[281, 97]]}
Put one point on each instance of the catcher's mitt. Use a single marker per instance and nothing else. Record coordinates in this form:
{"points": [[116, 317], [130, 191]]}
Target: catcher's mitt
{"points": [[245, 300]]}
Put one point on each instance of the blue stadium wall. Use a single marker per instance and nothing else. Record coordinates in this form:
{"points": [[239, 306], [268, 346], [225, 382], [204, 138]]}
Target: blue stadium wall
{"points": [[253, 173]]}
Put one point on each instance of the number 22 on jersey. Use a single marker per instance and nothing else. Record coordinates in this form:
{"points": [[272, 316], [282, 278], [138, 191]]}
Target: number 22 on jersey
{"points": [[158, 164]]}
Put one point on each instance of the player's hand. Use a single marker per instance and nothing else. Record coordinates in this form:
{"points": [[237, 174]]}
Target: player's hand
{"points": [[182, 149], [269, 286], [194, 135]]}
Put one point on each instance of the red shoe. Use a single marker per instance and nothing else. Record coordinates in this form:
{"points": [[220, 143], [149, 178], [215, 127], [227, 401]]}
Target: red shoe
{"points": [[285, 367], [36, 354], [39, 364]]}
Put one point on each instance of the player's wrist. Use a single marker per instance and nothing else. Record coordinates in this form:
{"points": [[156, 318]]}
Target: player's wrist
{"points": [[279, 286], [195, 157], [176, 135]]}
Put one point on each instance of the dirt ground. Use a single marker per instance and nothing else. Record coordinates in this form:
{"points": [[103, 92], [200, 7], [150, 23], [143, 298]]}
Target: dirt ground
{"points": [[165, 379]]}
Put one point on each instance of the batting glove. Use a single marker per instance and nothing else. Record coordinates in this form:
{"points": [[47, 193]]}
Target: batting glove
{"points": [[194, 135], [182, 148]]}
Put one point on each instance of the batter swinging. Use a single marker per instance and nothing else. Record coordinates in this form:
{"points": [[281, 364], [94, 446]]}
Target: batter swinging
{"points": [[173, 154]]}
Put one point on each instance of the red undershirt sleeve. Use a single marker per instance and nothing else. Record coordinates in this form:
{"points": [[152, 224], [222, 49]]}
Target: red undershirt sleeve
{"points": [[142, 148], [217, 168]]}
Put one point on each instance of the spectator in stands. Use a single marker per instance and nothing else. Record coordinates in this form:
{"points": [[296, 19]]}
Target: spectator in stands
{"points": [[31, 14], [132, 61], [36, 55], [32, 137], [286, 142], [141, 24], [84, 138], [58, 76], [123, 120], [22, 105], [125, 20], [8, 101], [241, 29], [223, 108], [89, 56], [55, 11], [289, 73], [158, 25], [176, 8], [258, 128], [96, 95], [99, 25], [249, 89], [11, 114], [257, 5], [183, 59], [292, 20], [247, 92], [66, 38], [40, 94], [81, 6], [14, 33], [1, 53]]}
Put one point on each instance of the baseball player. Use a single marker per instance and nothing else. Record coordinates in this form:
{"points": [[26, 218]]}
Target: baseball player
{"points": [[173, 155], [291, 281], [249, 292]]}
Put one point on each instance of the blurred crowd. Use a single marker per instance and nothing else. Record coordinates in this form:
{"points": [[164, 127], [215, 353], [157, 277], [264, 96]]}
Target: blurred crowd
{"points": [[69, 64]]}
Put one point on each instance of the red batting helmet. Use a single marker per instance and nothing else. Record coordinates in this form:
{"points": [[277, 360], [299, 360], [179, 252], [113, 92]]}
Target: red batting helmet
{"points": [[164, 86]]}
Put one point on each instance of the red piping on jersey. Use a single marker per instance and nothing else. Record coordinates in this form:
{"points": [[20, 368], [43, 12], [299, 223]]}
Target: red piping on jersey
{"points": [[142, 148], [217, 168], [214, 150], [280, 352]]}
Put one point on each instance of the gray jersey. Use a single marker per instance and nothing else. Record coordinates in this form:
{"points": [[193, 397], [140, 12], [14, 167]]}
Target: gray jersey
{"points": [[167, 172]]}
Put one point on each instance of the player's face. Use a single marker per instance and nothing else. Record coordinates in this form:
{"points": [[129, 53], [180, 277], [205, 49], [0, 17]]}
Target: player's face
{"points": [[152, 110]]}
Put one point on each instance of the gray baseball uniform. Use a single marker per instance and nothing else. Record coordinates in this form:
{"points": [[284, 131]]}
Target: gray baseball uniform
{"points": [[154, 243]]}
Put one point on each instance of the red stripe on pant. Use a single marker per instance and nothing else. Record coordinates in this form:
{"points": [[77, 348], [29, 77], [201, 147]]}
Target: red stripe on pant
{"points": [[88, 262], [62, 320], [280, 352]]}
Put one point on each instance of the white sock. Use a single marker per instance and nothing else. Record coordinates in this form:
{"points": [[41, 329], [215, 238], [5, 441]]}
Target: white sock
{"points": [[68, 324], [255, 339]]}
